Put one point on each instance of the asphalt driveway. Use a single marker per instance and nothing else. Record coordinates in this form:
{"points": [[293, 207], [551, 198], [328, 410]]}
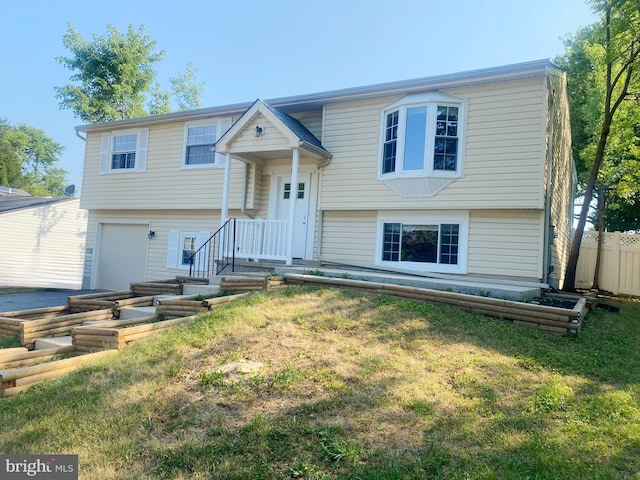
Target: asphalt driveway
{"points": [[38, 299]]}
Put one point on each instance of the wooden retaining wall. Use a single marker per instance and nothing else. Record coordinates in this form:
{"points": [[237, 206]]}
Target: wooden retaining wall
{"points": [[540, 317], [190, 305], [250, 283], [29, 327], [105, 336], [17, 380]]}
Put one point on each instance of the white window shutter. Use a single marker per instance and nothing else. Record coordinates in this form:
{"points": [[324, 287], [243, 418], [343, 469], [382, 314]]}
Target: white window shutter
{"points": [[104, 153], [225, 124], [172, 250], [202, 258], [141, 150]]}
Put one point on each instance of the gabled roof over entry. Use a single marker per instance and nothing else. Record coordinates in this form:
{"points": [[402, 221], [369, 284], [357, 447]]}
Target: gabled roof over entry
{"points": [[295, 134]]}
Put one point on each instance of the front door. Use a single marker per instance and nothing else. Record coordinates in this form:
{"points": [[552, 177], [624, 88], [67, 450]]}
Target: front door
{"points": [[301, 193]]}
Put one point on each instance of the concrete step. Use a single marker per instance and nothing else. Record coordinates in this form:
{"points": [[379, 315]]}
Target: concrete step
{"points": [[192, 289], [127, 313], [55, 342]]}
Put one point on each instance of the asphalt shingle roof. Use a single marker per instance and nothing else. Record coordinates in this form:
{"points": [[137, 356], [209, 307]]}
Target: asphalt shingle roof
{"points": [[297, 128], [10, 202]]}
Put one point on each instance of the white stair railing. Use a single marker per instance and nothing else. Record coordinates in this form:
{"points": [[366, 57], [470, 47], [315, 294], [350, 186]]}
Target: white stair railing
{"points": [[261, 239]]}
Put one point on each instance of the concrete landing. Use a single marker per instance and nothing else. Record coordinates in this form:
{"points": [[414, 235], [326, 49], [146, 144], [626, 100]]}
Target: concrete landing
{"points": [[127, 313], [502, 290], [55, 342], [193, 289]]}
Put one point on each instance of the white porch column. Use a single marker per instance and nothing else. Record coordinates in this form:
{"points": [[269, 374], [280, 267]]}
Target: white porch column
{"points": [[224, 213], [293, 196]]}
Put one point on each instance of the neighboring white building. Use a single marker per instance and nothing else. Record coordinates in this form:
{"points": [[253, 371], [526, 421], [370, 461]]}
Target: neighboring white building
{"points": [[463, 175], [42, 241]]}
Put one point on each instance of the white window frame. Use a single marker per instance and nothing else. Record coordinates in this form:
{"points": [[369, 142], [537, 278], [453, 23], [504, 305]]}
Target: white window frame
{"points": [[183, 237], [408, 218], [222, 125], [107, 151], [431, 101], [176, 242]]}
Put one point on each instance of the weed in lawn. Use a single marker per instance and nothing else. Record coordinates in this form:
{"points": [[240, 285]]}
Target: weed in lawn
{"points": [[338, 449], [422, 408], [553, 395], [212, 378]]}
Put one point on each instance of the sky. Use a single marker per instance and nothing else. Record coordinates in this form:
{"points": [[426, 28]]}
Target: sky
{"points": [[247, 49]]}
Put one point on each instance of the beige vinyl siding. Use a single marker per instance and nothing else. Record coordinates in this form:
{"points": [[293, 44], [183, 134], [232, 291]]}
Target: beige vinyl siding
{"points": [[506, 243], [164, 184], [271, 138], [349, 236], [312, 121], [504, 156], [162, 223], [43, 246], [562, 183]]}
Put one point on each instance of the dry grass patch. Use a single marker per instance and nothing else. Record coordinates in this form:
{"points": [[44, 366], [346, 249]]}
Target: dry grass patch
{"points": [[351, 386]]}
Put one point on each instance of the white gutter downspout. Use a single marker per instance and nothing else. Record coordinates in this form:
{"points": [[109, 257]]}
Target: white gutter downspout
{"points": [[548, 234], [245, 191], [293, 195], [224, 211]]}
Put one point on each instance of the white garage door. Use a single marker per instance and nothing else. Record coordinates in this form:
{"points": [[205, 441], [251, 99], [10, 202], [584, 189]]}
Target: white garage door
{"points": [[122, 255]]}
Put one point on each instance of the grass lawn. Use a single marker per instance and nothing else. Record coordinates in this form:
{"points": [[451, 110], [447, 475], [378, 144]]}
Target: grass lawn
{"points": [[352, 386]]}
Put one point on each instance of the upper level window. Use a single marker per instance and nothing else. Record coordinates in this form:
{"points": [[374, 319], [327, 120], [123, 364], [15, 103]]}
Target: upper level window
{"points": [[200, 142], [421, 136], [200, 139], [124, 151]]}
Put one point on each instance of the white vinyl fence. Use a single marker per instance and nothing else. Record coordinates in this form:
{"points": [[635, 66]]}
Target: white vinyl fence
{"points": [[619, 263]]}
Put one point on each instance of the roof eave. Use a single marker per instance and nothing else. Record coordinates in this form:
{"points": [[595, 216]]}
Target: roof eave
{"points": [[533, 69]]}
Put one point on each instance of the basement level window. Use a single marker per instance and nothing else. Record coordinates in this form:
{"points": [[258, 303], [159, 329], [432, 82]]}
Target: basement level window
{"points": [[431, 243]]}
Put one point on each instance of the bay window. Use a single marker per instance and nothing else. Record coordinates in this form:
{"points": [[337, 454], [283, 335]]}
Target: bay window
{"points": [[422, 136]]}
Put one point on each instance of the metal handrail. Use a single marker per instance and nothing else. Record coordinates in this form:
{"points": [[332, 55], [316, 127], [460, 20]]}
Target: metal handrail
{"points": [[216, 254]]}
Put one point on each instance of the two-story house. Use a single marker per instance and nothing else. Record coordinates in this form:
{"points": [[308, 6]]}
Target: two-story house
{"points": [[467, 175]]}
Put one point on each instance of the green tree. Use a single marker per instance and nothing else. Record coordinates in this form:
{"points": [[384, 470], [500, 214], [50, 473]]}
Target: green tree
{"points": [[185, 89], [160, 101], [28, 160], [603, 61], [10, 160], [113, 77], [113, 74]]}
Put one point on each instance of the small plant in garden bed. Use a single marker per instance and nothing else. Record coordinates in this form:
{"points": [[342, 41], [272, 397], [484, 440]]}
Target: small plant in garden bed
{"points": [[553, 302], [316, 272], [218, 294], [10, 342]]}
